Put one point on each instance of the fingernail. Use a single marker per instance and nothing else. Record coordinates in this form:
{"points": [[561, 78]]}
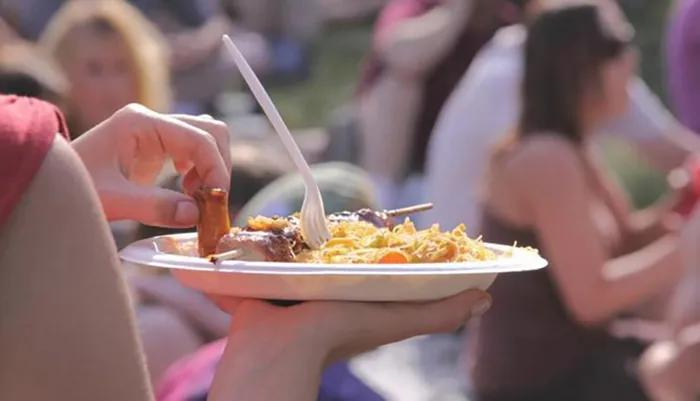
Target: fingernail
{"points": [[207, 116], [186, 213], [480, 307]]}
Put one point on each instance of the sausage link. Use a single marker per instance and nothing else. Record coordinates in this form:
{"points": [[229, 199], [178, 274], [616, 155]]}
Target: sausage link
{"points": [[214, 221]]}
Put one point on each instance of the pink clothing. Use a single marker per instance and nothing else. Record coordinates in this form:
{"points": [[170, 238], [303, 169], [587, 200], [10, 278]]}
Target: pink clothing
{"points": [[27, 131], [394, 13]]}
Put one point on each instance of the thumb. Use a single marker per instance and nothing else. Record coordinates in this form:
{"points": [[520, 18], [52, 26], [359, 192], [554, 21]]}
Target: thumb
{"points": [[442, 316], [394, 322], [152, 206]]}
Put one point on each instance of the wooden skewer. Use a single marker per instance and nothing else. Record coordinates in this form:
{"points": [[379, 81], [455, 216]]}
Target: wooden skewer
{"points": [[404, 211], [228, 255]]}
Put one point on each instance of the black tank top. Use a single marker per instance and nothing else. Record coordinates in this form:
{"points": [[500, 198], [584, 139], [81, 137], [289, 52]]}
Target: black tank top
{"points": [[527, 342]]}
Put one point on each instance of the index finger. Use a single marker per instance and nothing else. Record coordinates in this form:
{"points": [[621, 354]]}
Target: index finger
{"points": [[216, 128], [186, 142]]}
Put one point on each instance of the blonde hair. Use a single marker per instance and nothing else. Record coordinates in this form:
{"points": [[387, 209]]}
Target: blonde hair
{"points": [[147, 47]]}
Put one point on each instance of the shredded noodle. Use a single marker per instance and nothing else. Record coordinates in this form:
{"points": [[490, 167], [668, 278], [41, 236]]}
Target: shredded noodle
{"points": [[361, 242]]}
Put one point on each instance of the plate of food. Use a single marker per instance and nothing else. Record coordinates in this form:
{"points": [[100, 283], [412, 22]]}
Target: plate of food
{"points": [[370, 257]]}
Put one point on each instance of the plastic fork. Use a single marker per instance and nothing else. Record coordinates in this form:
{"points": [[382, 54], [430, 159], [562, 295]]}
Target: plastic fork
{"points": [[314, 227]]}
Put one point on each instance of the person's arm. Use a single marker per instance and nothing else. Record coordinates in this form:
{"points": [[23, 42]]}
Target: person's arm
{"points": [[558, 199], [249, 364], [279, 353], [67, 331], [668, 370], [652, 130], [193, 46], [638, 228], [412, 46]]}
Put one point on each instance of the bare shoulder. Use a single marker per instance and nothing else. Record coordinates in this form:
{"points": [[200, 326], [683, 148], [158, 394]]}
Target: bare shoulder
{"points": [[60, 192], [546, 156], [545, 163], [64, 176]]}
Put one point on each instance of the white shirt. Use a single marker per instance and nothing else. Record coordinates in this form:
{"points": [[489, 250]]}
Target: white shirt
{"points": [[482, 109]]}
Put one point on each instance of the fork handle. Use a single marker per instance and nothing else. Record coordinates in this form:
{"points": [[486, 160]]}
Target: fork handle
{"points": [[268, 107]]}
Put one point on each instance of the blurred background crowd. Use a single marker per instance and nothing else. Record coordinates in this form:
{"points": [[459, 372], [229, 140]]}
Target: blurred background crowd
{"points": [[399, 102]]}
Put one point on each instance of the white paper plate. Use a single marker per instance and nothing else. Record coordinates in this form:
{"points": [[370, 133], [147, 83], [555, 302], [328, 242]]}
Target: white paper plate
{"points": [[346, 282]]}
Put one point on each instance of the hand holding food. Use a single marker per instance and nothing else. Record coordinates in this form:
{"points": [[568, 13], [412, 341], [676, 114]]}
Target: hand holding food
{"points": [[125, 153], [322, 329], [296, 344]]}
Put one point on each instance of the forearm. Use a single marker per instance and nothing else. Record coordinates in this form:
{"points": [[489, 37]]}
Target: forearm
{"points": [[645, 227], [387, 118], [417, 44], [266, 368], [639, 276], [207, 36], [210, 33], [385, 155]]}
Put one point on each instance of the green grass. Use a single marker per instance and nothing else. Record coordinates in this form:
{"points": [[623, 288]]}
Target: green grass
{"points": [[341, 50], [649, 18]]}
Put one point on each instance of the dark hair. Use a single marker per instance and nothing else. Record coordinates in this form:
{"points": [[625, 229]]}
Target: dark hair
{"points": [[21, 84], [564, 52]]}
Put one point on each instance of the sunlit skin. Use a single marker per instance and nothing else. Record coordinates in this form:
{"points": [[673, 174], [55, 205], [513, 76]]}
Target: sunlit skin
{"points": [[101, 74]]}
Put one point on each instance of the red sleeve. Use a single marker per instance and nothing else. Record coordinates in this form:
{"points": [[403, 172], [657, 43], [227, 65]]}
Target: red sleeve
{"points": [[27, 131], [398, 11]]}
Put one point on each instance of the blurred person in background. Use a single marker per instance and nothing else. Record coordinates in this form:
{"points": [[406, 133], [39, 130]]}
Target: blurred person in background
{"points": [[290, 27], [670, 368], [683, 62], [201, 66], [193, 28], [25, 71], [547, 337], [420, 50], [486, 104], [112, 56]]}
